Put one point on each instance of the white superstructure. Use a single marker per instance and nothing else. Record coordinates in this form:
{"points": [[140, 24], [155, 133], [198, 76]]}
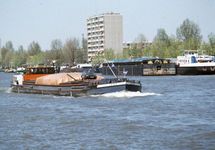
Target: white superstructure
{"points": [[192, 58]]}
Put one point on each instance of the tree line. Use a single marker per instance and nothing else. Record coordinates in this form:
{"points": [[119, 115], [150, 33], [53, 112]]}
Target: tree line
{"points": [[188, 37], [69, 53]]}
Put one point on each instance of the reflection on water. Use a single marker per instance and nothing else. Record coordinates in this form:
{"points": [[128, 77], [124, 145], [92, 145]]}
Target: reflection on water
{"points": [[174, 112]]}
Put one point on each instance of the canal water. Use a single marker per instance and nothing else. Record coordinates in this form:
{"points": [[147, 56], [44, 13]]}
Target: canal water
{"points": [[172, 112]]}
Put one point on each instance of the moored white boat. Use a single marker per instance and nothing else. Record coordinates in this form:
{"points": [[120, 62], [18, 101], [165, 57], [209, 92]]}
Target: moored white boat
{"points": [[194, 64]]}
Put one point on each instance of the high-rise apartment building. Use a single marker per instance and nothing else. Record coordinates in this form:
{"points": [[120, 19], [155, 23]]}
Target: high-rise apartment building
{"points": [[104, 31]]}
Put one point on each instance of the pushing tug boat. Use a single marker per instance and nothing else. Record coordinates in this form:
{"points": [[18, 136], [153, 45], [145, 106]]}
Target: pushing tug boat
{"points": [[43, 80]]}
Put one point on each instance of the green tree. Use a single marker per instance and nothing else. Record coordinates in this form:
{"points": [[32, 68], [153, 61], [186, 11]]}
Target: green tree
{"points": [[4, 50], [192, 44], [0, 61], [206, 46], [20, 49], [56, 44], [101, 56], [22, 55], [16, 61], [119, 55], [188, 29], [98, 58], [38, 58], [162, 36], [211, 38], [56, 51], [140, 41], [147, 51], [189, 33], [135, 51], [80, 58], [161, 49], [69, 50], [7, 59], [109, 54], [34, 48], [9, 46], [158, 49], [173, 49], [210, 45], [126, 54], [84, 49]]}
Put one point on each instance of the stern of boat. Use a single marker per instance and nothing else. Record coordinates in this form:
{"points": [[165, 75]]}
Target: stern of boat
{"points": [[133, 86]]}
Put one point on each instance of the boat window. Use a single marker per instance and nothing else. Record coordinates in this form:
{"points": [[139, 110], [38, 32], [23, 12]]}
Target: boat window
{"points": [[28, 71], [41, 70], [49, 70], [35, 71]]}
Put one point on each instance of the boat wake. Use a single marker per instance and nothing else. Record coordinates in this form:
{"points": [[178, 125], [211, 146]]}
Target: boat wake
{"points": [[6, 89], [125, 94]]}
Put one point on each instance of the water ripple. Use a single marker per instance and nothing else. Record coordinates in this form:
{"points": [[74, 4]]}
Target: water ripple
{"points": [[174, 112]]}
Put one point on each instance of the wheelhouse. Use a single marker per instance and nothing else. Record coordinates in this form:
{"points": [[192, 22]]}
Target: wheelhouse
{"points": [[35, 72]]}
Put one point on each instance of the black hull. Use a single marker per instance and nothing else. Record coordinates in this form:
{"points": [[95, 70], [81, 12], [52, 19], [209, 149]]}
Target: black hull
{"points": [[158, 70], [142, 70], [195, 70]]}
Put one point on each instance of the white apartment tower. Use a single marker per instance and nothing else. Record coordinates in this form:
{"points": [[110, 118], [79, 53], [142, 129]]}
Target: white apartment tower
{"points": [[104, 31]]}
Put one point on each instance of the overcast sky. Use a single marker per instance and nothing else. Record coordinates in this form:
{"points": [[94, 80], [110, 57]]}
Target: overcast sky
{"points": [[24, 21]]}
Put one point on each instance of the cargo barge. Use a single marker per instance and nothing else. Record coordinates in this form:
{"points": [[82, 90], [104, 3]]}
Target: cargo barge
{"points": [[43, 80], [146, 66]]}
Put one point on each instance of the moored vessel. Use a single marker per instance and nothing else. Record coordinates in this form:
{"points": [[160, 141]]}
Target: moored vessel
{"points": [[145, 66], [191, 63]]}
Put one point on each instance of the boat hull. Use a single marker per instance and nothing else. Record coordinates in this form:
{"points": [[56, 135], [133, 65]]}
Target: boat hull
{"points": [[155, 69], [195, 70], [76, 91]]}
